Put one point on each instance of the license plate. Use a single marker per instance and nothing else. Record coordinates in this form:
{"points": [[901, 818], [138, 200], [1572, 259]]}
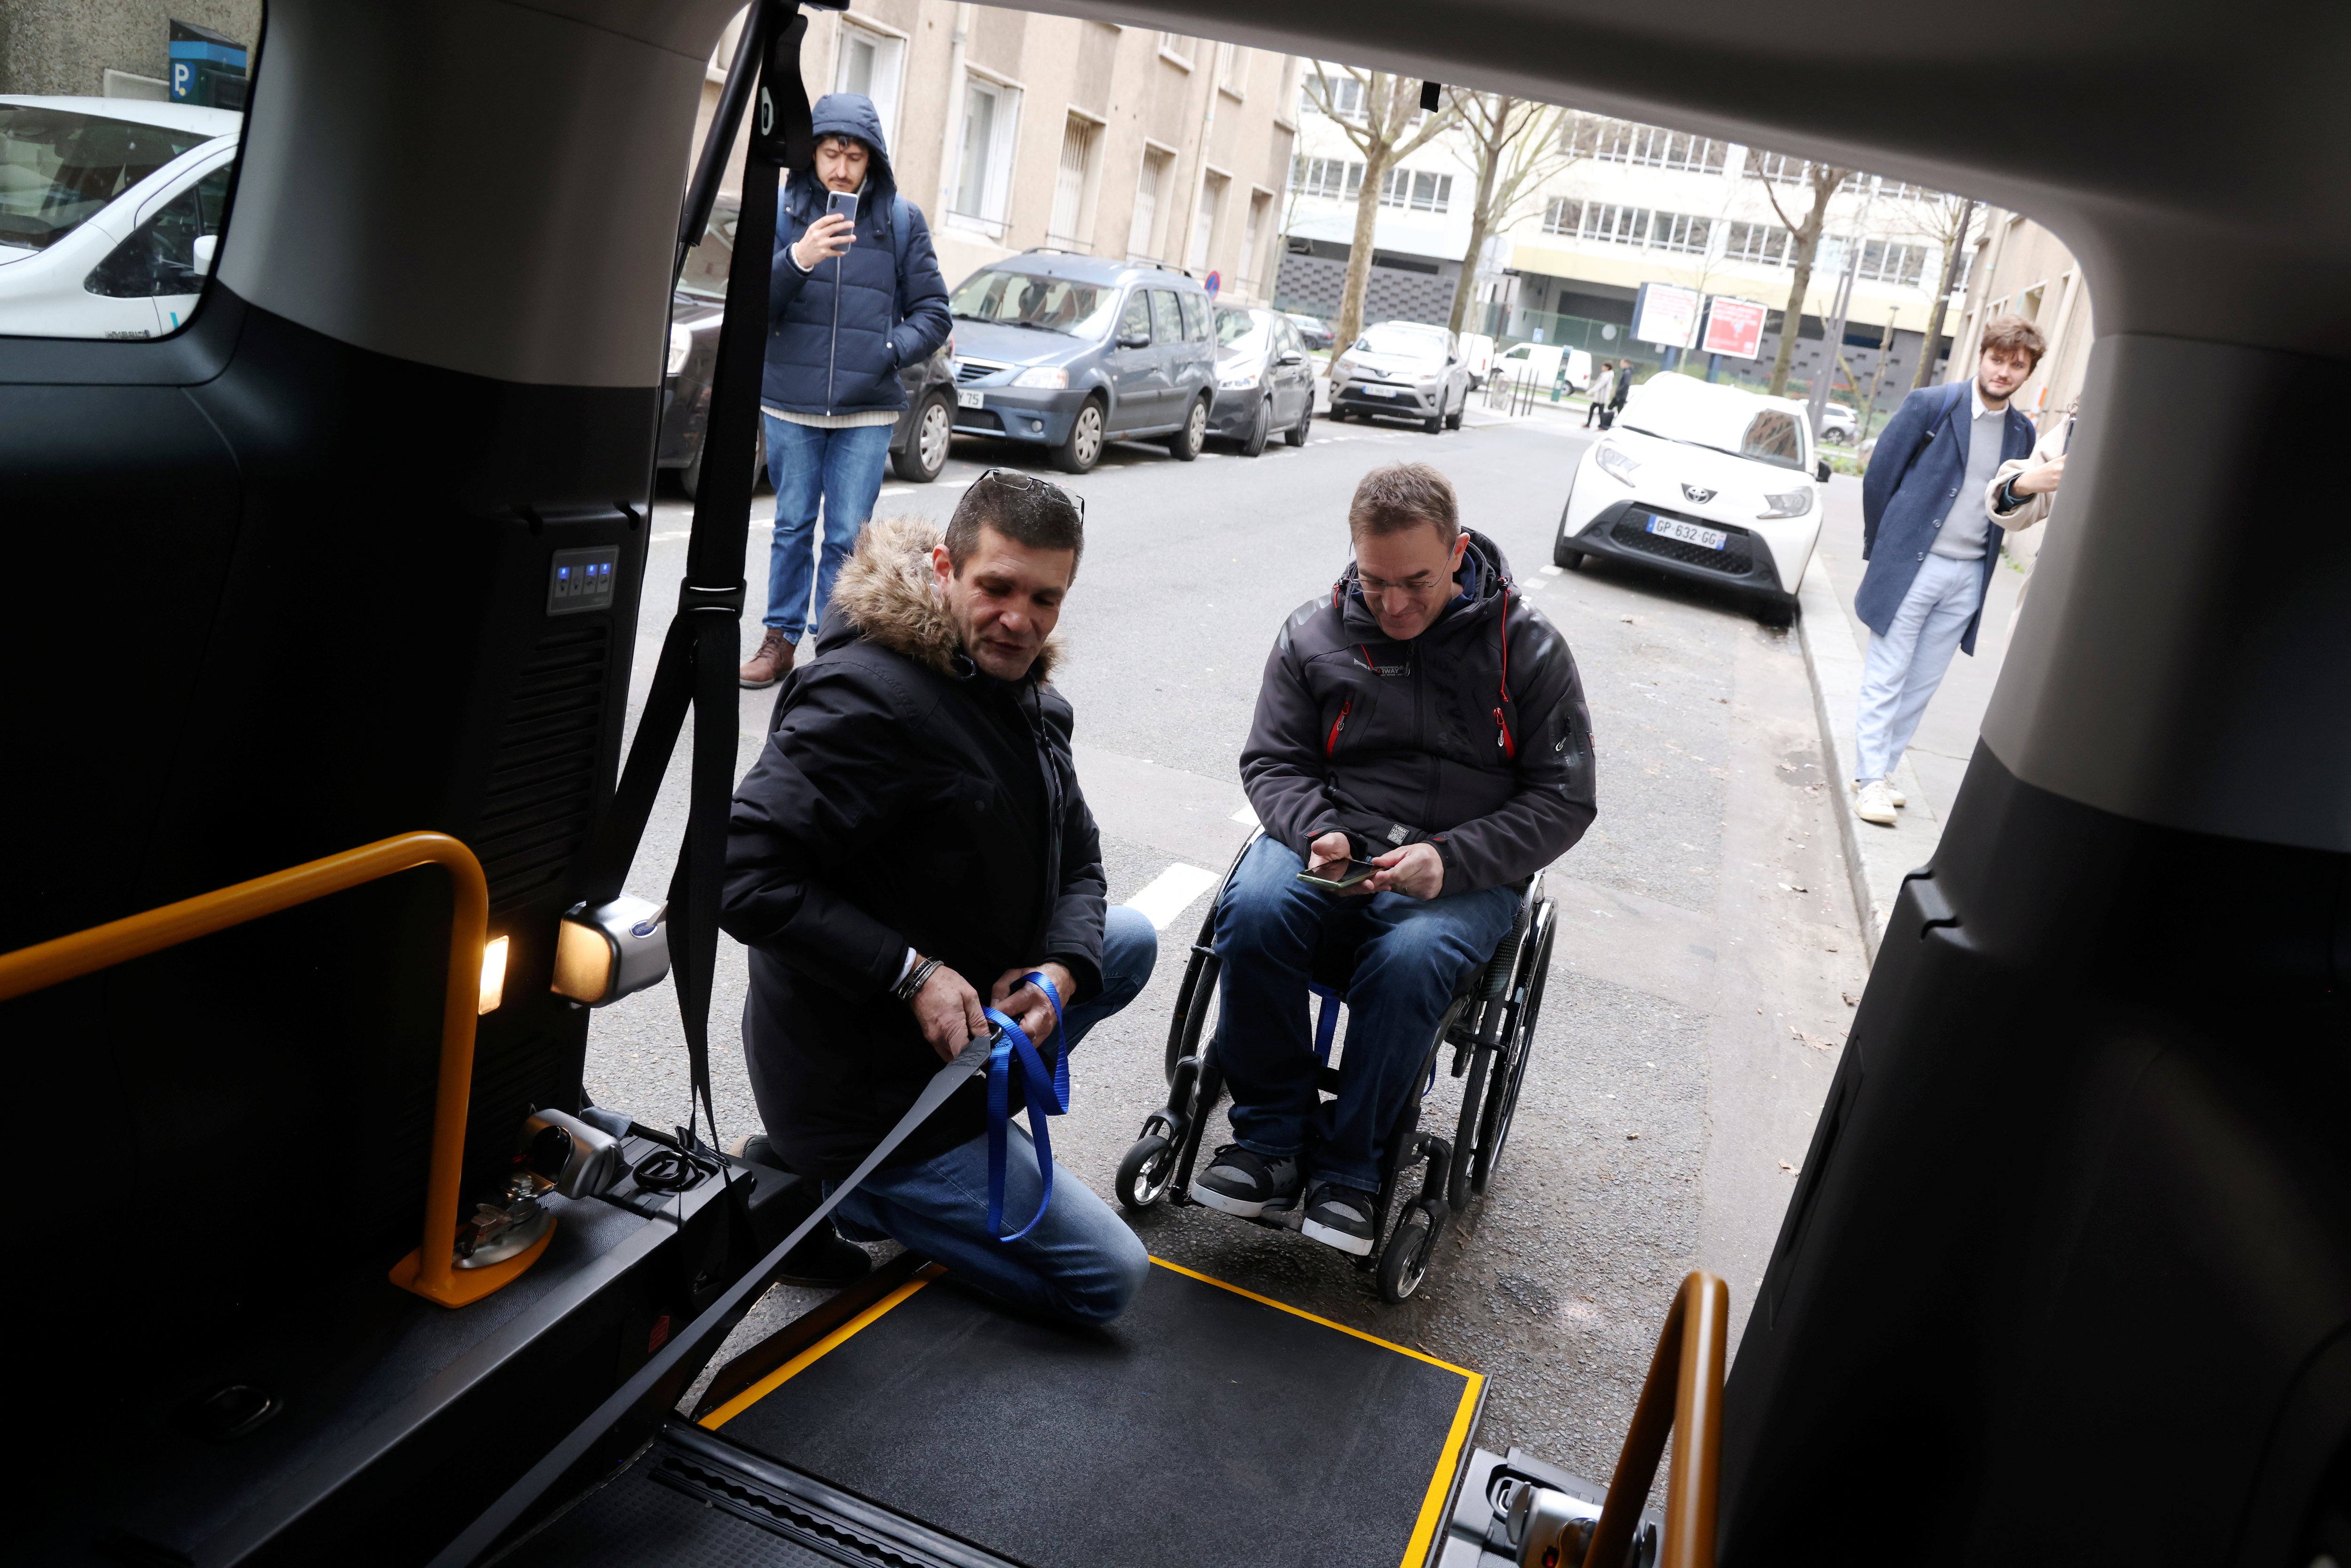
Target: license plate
{"points": [[967, 399], [1689, 533], [1381, 392]]}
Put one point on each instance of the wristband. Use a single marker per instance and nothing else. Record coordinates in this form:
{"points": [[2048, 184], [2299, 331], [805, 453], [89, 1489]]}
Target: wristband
{"points": [[907, 990]]}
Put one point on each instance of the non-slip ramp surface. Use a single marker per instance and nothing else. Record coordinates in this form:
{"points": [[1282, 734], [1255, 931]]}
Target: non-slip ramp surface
{"points": [[1207, 1426]]}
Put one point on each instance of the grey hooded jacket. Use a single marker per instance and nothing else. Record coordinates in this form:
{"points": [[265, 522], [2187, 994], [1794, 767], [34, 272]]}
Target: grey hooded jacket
{"points": [[1470, 737]]}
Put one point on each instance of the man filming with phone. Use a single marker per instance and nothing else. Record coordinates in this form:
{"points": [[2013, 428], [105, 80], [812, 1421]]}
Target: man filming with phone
{"points": [[854, 296], [1421, 744], [911, 846]]}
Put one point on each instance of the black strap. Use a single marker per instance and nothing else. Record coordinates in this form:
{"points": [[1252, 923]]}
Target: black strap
{"points": [[699, 653]]}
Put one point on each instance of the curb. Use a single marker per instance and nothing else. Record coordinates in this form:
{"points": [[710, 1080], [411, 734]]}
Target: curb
{"points": [[1876, 859]]}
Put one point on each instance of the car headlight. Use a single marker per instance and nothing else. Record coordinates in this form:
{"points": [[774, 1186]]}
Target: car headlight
{"points": [[1789, 504], [1240, 381], [1341, 368], [1616, 462], [681, 344], [1042, 376]]}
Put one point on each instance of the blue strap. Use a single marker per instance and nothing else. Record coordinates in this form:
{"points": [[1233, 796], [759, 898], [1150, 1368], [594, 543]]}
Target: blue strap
{"points": [[1011, 1055]]}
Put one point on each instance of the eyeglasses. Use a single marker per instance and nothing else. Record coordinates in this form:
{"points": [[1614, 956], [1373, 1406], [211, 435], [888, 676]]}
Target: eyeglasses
{"points": [[1013, 479]]}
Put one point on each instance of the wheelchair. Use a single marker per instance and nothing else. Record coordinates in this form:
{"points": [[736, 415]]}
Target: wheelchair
{"points": [[1490, 1027]]}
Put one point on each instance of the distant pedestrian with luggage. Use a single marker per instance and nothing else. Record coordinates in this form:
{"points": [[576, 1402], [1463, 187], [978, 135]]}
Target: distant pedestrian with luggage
{"points": [[1931, 530], [1623, 390], [1603, 385], [850, 301]]}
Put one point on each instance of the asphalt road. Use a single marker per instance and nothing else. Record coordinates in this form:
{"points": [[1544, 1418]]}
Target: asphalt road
{"points": [[1708, 948]]}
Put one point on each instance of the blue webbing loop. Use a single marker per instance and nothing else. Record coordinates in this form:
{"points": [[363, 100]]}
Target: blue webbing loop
{"points": [[1046, 1094]]}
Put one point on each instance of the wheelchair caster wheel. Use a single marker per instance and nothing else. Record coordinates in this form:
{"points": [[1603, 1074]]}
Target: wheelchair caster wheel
{"points": [[1404, 1263], [1146, 1173]]}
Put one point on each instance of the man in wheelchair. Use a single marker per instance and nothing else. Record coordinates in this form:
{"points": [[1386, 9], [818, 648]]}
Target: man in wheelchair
{"points": [[1421, 716]]}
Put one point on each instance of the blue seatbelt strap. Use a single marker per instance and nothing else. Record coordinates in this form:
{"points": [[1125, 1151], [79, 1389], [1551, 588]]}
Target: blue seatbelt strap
{"points": [[1012, 1056]]}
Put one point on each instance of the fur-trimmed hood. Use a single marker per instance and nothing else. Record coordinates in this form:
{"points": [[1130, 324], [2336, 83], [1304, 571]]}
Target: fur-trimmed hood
{"points": [[887, 591]]}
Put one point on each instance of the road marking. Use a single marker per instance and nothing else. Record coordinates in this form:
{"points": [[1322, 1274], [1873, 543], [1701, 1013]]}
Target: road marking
{"points": [[1246, 817], [1171, 892], [1553, 571]]}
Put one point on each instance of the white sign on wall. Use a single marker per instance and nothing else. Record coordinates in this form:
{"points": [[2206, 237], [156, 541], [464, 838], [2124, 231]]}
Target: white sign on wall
{"points": [[1666, 314]]}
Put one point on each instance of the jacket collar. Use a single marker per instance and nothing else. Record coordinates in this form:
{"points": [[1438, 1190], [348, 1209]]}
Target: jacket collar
{"points": [[886, 593]]}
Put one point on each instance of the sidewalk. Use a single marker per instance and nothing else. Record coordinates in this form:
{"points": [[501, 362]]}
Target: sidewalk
{"points": [[1835, 643]]}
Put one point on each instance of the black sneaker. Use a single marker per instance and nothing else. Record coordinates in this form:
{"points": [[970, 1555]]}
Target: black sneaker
{"points": [[1340, 1216], [1240, 1181]]}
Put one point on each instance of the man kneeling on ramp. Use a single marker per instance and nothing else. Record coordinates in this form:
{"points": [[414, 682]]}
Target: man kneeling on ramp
{"points": [[1425, 715], [913, 832]]}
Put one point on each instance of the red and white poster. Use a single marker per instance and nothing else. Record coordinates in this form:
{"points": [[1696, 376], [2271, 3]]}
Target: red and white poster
{"points": [[1733, 326]]}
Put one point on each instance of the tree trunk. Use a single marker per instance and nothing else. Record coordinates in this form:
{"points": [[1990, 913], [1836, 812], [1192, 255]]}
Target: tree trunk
{"points": [[1463, 289], [1950, 275], [1793, 317], [1481, 216], [1359, 254]]}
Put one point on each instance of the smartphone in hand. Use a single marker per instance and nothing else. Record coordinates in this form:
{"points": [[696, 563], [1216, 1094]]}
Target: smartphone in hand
{"points": [[1337, 876], [841, 202]]}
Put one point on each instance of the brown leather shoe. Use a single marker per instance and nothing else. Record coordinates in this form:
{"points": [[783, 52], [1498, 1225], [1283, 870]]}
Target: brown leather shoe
{"points": [[771, 664]]}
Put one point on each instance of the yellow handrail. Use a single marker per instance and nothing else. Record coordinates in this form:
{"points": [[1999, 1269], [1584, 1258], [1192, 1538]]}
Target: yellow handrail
{"points": [[429, 1271], [1682, 1393]]}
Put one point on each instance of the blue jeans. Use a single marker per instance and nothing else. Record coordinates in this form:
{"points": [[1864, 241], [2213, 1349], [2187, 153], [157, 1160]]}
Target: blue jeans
{"points": [[1080, 1264], [1906, 665], [1412, 952], [841, 469]]}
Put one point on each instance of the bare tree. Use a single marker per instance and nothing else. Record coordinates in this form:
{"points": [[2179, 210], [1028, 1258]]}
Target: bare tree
{"points": [[1945, 219], [1517, 145], [1385, 126], [1805, 238]]}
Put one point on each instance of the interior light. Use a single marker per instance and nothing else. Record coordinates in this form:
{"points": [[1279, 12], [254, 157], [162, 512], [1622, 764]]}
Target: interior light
{"points": [[494, 973]]}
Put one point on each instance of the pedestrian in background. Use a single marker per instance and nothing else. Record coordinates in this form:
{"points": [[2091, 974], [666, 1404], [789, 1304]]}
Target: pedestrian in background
{"points": [[849, 302], [1603, 385], [1928, 534], [1623, 390]]}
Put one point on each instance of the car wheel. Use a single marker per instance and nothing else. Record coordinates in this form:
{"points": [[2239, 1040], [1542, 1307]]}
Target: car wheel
{"points": [[1566, 557], [1082, 448], [1779, 610], [1434, 423], [1296, 434], [1260, 429], [1453, 420], [1186, 443], [925, 452]]}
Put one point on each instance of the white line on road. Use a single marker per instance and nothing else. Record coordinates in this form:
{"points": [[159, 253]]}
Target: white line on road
{"points": [[1246, 817], [1551, 570], [1171, 892]]}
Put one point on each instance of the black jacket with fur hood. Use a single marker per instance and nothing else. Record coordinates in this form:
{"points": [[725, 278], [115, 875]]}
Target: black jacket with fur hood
{"points": [[903, 799]]}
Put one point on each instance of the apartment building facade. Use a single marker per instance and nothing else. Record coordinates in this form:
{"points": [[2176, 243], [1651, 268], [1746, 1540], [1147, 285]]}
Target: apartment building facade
{"points": [[1012, 130]]}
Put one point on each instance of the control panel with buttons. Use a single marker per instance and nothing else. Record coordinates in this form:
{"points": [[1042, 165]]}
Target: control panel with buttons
{"points": [[580, 580]]}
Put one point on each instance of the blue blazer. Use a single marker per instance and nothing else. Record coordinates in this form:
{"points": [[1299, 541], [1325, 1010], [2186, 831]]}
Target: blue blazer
{"points": [[1915, 474]]}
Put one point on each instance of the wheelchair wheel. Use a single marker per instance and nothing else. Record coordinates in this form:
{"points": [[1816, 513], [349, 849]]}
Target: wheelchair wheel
{"points": [[1469, 1132], [1403, 1262], [1196, 1006], [1148, 1172], [1503, 1102]]}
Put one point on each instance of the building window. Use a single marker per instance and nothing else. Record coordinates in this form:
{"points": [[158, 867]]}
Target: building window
{"points": [[984, 156], [1233, 74], [1333, 177], [1260, 203], [1766, 245], [1883, 261], [1650, 146], [1680, 232], [868, 65], [1204, 221], [1420, 191], [1144, 229], [1343, 92], [1606, 222], [1069, 227], [1897, 190], [1777, 166]]}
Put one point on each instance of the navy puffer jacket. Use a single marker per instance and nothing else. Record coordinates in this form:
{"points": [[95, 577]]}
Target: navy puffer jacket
{"points": [[837, 336]]}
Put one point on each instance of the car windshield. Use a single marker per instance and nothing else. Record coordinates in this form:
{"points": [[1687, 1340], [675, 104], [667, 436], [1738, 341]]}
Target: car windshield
{"points": [[704, 277], [1411, 342], [1027, 299], [59, 167], [1681, 408], [1242, 332]]}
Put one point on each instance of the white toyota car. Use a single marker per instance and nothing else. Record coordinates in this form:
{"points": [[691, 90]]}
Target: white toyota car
{"points": [[1704, 481], [110, 212]]}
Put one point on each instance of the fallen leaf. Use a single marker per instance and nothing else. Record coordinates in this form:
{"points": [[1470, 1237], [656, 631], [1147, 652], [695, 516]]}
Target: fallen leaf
{"points": [[1850, 999], [1832, 949], [1789, 1169], [1630, 1137], [1815, 1041]]}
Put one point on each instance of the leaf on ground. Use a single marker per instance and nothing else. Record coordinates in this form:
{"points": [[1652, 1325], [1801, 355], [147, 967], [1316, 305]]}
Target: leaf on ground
{"points": [[1850, 999], [1815, 1041], [1789, 1169], [1630, 1136]]}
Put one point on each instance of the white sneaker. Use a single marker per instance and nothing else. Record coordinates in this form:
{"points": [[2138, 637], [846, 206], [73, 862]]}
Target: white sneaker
{"points": [[1876, 803], [1896, 796]]}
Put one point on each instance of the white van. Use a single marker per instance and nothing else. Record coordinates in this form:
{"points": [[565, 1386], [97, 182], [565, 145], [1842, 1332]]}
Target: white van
{"points": [[1477, 351], [1541, 362]]}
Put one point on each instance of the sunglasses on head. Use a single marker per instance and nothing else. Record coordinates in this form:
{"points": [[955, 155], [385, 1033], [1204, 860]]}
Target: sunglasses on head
{"points": [[1013, 479]]}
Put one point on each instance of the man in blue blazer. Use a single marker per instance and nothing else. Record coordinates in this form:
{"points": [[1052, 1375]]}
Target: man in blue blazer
{"points": [[1931, 544]]}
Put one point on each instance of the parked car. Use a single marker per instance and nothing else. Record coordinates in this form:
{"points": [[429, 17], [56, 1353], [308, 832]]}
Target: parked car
{"points": [[1704, 481], [1539, 362], [1069, 351], [110, 212], [1264, 382], [1840, 424], [1312, 331], [918, 442], [1403, 369], [1477, 351]]}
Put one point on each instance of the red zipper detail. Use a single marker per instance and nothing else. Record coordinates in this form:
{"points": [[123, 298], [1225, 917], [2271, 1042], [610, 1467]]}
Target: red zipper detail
{"points": [[1509, 747], [1332, 743]]}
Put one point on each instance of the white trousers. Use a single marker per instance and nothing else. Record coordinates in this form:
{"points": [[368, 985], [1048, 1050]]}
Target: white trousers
{"points": [[1907, 665]]}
